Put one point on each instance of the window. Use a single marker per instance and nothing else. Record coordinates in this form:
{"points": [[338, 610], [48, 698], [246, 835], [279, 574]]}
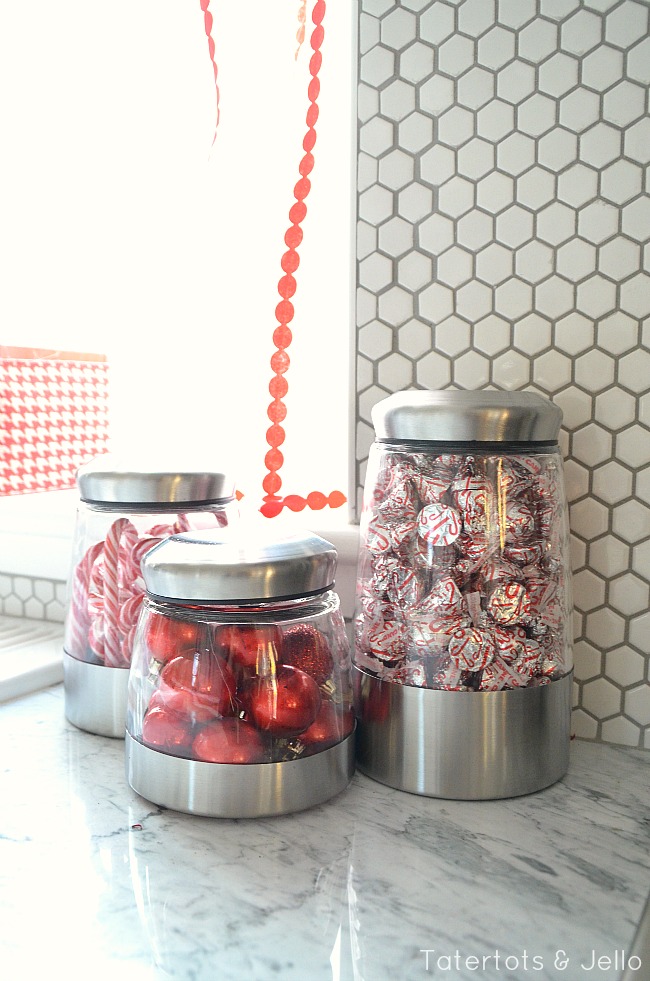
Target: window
{"points": [[135, 226]]}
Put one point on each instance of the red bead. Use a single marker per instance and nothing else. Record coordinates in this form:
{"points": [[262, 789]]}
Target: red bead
{"points": [[273, 460], [277, 411], [272, 483], [283, 705], [278, 387], [275, 435], [229, 741], [306, 648], [316, 500], [165, 730], [280, 362]]}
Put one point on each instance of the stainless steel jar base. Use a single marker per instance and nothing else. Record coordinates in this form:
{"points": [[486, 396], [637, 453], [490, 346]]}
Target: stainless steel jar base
{"points": [[95, 696], [230, 790], [463, 745]]}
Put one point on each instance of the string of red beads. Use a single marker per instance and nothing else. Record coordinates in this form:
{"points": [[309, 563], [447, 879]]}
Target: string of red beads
{"points": [[208, 21], [284, 311]]}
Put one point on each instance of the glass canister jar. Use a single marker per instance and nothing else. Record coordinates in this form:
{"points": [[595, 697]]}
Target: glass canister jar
{"points": [[463, 646], [122, 513], [240, 694]]}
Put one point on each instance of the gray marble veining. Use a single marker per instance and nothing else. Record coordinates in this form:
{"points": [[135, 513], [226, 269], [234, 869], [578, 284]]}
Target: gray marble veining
{"points": [[100, 884]]}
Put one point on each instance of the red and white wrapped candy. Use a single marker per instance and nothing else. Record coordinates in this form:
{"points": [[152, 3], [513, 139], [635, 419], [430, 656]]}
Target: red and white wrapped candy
{"points": [[471, 649], [439, 524]]}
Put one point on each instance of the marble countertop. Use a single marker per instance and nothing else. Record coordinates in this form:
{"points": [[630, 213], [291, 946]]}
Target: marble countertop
{"points": [[100, 884]]}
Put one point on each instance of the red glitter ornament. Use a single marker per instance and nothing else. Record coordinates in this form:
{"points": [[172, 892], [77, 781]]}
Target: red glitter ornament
{"points": [[229, 741], [305, 647], [283, 705]]}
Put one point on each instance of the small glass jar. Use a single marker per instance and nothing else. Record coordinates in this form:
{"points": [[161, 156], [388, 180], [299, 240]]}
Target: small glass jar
{"points": [[464, 612], [240, 695], [122, 513]]}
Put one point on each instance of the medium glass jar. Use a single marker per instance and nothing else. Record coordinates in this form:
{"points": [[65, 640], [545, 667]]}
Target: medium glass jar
{"points": [[463, 619], [122, 513], [240, 695]]}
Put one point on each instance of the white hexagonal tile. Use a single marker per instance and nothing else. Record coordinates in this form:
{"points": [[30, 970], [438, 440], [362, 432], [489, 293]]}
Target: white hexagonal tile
{"points": [[365, 373], [532, 334], [633, 446], [574, 334], [495, 120], [641, 559], [537, 40], [577, 185], [591, 445], [471, 370], [516, 13], [598, 221], [642, 485], [638, 62], [437, 165], [395, 306], [609, 556], [626, 24], [375, 272], [556, 9], [600, 145], [395, 170], [621, 732], [588, 591], [496, 47], [516, 154], [415, 132], [414, 271], [588, 519], [367, 102], [416, 62], [454, 267], [535, 188], [583, 725], [366, 239], [576, 259], [601, 697], [635, 219], [368, 400], [455, 55], [414, 202], [397, 100], [395, 236], [555, 297], [629, 594], [377, 66], [635, 295], [375, 340], [640, 632], [452, 336], [612, 483], [436, 234], [581, 32], [556, 223], [436, 302], [366, 306], [455, 126], [613, 408], [605, 628], [618, 258], [536, 115], [456, 197], [515, 82], [617, 333], [552, 371], [436, 95], [395, 372], [475, 229], [634, 371], [475, 17], [473, 301], [475, 158], [637, 139], [415, 338], [594, 371], [368, 33], [558, 75], [624, 666], [557, 149], [579, 110], [367, 172], [398, 28], [511, 371], [596, 296], [495, 192], [621, 181], [491, 335], [475, 88], [376, 136], [602, 68], [494, 264], [534, 262], [513, 298], [637, 704], [624, 103], [631, 521], [514, 227], [437, 23], [575, 405], [433, 371], [587, 660]]}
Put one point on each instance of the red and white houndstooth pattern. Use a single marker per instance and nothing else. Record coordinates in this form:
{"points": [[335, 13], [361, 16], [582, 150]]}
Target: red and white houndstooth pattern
{"points": [[53, 417]]}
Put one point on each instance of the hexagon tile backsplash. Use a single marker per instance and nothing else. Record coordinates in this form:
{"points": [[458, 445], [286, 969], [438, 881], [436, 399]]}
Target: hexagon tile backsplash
{"points": [[503, 242]]}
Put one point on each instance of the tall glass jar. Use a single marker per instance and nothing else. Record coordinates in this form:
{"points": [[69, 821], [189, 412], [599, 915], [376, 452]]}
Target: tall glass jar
{"points": [[463, 619], [122, 513], [240, 695]]}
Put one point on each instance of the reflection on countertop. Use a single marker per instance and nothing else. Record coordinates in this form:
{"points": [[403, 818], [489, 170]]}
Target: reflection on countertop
{"points": [[375, 885]]}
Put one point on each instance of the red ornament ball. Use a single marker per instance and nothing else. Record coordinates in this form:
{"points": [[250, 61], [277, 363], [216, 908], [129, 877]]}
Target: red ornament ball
{"points": [[283, 705], [306, 648], [229, 741], [330, 726], [251, 647], [167, 731], [197, 687], [167, 638]]}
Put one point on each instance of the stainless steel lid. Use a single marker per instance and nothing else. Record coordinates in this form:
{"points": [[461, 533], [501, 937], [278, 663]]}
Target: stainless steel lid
{"points": [[453, 416], [109, 480], [226, 566]]}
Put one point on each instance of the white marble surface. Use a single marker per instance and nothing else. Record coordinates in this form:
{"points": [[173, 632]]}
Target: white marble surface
{"points": [[97, 883]]}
